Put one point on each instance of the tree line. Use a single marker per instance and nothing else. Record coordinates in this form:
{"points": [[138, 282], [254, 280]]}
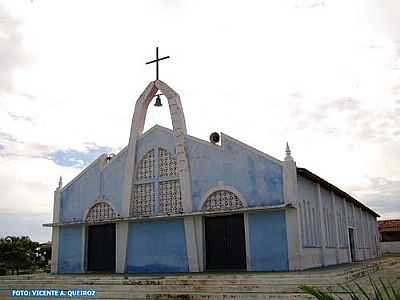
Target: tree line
{"points": [[21, 255]]}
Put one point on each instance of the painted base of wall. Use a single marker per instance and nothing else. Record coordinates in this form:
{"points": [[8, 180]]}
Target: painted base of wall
{"points": [[157, 247]]}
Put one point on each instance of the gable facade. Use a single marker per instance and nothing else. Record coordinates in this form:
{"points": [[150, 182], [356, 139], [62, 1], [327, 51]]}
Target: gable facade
{"points": [[165, 188]]}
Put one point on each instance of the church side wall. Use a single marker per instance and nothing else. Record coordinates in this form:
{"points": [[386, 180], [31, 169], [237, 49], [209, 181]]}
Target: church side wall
{"points": [[258, 179], [329, 228], [309, 222], [268, 241], [70, 249], [325, 221], [157, 246]]}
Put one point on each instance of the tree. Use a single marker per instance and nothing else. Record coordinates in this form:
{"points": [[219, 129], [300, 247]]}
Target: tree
{"points": [[18, 253]]}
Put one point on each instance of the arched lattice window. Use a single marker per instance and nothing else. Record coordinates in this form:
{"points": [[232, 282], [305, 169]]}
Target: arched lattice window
{"points": [[222, 200], [145, 168], [143, 197], [156, 175], [100, 212]]}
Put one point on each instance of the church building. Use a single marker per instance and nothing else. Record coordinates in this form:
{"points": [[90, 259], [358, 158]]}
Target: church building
{"points": [[170, 202]]}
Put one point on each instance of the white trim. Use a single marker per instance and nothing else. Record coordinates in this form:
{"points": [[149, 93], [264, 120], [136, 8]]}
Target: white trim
{"points": [[180, 215], [336, 225], [55, 233], [346, 223], [247, 240], [199, 234], [83, 248], [121, 246], [322, 225], [222, 187]]}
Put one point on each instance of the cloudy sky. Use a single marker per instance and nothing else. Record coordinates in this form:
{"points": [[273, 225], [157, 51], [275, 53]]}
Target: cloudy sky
{"points": [[321, 74]]}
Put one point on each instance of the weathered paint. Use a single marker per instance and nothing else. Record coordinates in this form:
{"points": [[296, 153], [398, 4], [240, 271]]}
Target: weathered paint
{"points": [[112, 181], [69, 257], [268, 241], [257, 178], [80, 194], [157, 246]]}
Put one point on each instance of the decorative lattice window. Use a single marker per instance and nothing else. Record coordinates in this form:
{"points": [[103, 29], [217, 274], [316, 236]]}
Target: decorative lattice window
{"points": [[145, 168], [100, 212], [143, 199], [170, 197], [167, 163], [222, 200]]}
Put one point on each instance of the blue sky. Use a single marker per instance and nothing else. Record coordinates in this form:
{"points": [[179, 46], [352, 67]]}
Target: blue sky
{"points": [[321, 74], [75, 158]]}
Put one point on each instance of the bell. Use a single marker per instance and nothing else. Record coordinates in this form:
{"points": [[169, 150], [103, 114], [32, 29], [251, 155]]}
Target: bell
{"points": [[158, 101]]}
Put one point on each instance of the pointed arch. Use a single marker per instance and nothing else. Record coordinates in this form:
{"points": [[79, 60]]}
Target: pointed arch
{"points": [[100, 211], [183, 172], [179, 129]]}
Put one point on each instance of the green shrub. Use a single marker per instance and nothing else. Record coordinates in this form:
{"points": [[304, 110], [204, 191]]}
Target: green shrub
{"points": [[381, 291]]}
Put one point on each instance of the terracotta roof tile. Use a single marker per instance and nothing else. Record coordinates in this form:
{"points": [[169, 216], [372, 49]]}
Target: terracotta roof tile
{"points": [[389, 224]]}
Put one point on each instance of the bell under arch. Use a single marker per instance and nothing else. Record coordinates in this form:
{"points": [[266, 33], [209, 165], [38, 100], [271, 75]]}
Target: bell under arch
{"points": [[182, 166], [179, 130]]}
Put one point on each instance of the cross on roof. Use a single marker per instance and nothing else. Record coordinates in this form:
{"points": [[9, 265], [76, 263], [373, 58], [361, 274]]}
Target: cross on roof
{"points": [[156, 61]]}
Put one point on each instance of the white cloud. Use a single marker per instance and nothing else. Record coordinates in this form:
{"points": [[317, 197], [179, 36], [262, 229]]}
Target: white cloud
{"points": [[322, 74]]}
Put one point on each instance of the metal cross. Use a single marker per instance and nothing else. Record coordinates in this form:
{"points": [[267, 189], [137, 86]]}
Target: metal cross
{"points": [[156, 61]]}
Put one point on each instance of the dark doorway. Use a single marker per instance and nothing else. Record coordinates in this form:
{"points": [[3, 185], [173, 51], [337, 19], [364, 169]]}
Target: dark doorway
{"points": [[225, 243], [352, 245], [101, 248]]}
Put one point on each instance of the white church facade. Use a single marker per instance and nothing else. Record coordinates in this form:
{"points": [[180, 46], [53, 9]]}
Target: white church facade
{"points": [[170, 202]]}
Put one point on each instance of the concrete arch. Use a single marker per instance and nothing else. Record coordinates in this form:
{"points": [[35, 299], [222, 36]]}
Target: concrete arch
{"points": [[97, 202], [179, 129], [218, 188], [180, 133]]}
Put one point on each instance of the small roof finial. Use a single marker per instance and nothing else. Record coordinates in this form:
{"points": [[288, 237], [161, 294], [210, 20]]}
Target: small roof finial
{"points": [[288, 152], [60, 183]]}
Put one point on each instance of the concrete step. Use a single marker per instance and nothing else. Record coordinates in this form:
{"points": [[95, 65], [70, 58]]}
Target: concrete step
{"points": [[175, 288], [202, 286]]}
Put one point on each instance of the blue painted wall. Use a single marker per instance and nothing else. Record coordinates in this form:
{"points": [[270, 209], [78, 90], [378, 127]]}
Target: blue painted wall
{"points": [[69, 255], [153, 139], [257, 178], [113, 176], [268, 241], [77, 197], [157, 246]]}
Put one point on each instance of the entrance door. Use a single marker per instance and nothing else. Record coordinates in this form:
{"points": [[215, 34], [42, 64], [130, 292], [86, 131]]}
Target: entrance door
{"points": [[225, 243], [101, 248], [352, 245]]}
